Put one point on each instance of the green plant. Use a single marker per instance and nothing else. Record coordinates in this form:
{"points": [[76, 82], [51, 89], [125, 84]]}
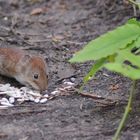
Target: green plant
{"points": [[135, 3], [116, 51]]}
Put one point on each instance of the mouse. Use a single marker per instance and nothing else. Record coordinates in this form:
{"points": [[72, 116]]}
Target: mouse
{"points": [[30, 70]]}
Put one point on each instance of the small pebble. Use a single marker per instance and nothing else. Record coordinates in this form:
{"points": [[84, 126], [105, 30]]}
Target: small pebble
{"points": [[5, 18], [72, 79], [43, 100], [11, 100]]}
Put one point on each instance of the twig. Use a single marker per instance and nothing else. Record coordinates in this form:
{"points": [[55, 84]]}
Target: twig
{"points": [[127, 110], [66, 42], [90, 95], [76, 43], [81, 105], [98, 99], [38, 41], [68, 77], [105, 103], [27, 111], [34, 48]]}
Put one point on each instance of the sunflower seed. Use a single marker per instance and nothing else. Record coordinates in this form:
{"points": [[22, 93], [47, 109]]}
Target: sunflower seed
{"points": [[69, 83], [46, 95], [6, 104], [31, 98], [5, 100], [43, 100], [55, 92], [37, 100], [11, 100]]}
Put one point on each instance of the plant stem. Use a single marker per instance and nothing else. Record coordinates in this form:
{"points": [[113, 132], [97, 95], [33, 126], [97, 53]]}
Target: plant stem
{"points": [[127, 110], [133, 2]]}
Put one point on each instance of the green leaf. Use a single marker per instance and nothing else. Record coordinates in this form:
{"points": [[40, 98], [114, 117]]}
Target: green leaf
{"points": [[119, 54], [133, 21], [124, 69], [137, 43], [131, 70], [108, 44], [98, 65], [126, 55]]}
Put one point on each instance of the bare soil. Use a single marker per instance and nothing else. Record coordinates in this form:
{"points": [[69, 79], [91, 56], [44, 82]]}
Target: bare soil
{"points": [[56, 31]]}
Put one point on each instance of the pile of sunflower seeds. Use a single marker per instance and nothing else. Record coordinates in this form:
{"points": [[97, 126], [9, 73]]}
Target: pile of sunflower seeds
{"points": [[9, 95]]}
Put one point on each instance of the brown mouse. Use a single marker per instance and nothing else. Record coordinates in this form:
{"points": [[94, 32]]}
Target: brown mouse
{"points": [[29, 70]]}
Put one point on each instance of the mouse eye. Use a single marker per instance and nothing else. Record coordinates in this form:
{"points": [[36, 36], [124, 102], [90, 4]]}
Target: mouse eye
{"points": [[36, 76], [47, 76]]}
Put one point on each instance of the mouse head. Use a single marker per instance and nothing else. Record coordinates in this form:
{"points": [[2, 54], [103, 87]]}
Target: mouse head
{"points": [[33, 72]]}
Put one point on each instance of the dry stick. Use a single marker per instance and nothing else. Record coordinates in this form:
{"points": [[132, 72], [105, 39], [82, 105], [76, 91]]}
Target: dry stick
{"points": [[92, 96], [49, 39], [88, 94], [76, 43], [25, 112], [96, 97], [32, 34], [68, 77], [127, 110]]}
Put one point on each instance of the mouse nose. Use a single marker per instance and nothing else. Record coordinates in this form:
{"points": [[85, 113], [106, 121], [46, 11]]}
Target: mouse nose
{"points": [[44, 92], [42, 82], [44, 87]]}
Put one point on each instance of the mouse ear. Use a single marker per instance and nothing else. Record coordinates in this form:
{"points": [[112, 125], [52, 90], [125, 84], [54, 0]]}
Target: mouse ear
{"points": [[23, 62], [26, 59]]}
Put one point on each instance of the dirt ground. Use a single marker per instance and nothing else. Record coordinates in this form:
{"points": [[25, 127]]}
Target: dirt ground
{"points": [[56, 29]]}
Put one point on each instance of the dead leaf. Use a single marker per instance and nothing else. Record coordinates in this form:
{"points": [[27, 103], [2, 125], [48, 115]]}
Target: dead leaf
{"points": [[57, 38], [37, 11], [34, 1], [114, 87], [126, 2]]}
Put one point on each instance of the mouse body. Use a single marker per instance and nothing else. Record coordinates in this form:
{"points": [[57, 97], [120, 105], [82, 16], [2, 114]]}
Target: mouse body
{"points": [[29, 70]]}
